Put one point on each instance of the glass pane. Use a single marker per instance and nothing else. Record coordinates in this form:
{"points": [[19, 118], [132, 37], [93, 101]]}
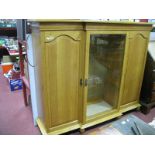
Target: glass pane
{"points": [[105, 66]]}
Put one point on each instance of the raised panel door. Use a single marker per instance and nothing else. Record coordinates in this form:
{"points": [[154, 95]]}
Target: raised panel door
{"points": [[137, 48], [62, 71]]}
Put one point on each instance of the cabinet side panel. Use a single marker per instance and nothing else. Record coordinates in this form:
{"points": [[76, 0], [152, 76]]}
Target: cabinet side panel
{"points": [[38, 70], [137, 49]]}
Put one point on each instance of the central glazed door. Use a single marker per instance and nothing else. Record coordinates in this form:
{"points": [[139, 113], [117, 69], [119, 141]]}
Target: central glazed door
{"points": [[105, 55], [63, 72]]}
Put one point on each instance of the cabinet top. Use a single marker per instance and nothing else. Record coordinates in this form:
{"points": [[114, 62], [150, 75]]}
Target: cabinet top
{"points": [[86, 21], [88, 25]]}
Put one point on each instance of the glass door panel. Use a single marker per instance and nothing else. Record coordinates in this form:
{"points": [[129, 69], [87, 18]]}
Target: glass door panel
{"points": [[105, 67]]}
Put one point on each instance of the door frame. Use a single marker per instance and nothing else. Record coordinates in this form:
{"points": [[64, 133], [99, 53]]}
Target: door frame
{"points": [[86, 64]]}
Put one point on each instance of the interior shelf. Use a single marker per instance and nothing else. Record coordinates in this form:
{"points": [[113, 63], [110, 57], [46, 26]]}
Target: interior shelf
{"points": [[96, 108]]}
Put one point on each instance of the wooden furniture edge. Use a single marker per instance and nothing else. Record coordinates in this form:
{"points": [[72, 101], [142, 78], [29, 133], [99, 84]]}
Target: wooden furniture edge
{"points": [[58, 129], [64, 130], [86, 21], [41, 126], [130, 106], [101, 120]]}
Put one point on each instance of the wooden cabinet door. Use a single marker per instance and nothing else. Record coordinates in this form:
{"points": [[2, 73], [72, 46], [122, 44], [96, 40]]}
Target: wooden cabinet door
{"points": [[62, 71], [137, 49]]}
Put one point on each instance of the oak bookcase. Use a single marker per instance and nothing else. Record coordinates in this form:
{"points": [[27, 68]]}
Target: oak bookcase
{"points": [[88, 71]]}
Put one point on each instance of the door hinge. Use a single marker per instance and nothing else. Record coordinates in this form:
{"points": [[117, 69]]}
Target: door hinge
{"points": [[86, 82], [83, 82]]}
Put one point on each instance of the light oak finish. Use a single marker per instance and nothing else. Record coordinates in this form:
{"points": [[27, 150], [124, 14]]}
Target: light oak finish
{"points": [[62, 55], [62, 26], [49, 21], [113, 27], [100, 119], [41, 126], [127, 107], [60, 129], [63, 58], [136, 56]]}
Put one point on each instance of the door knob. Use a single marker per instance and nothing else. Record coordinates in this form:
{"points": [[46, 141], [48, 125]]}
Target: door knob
{"points": [[81, 82]]}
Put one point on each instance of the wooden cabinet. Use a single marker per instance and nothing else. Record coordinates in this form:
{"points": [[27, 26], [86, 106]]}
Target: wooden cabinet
{"points": [[88, 71]]}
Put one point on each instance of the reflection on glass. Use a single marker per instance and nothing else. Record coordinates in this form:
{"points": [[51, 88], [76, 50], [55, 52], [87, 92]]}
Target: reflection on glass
{"points": [[105, 66]]}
